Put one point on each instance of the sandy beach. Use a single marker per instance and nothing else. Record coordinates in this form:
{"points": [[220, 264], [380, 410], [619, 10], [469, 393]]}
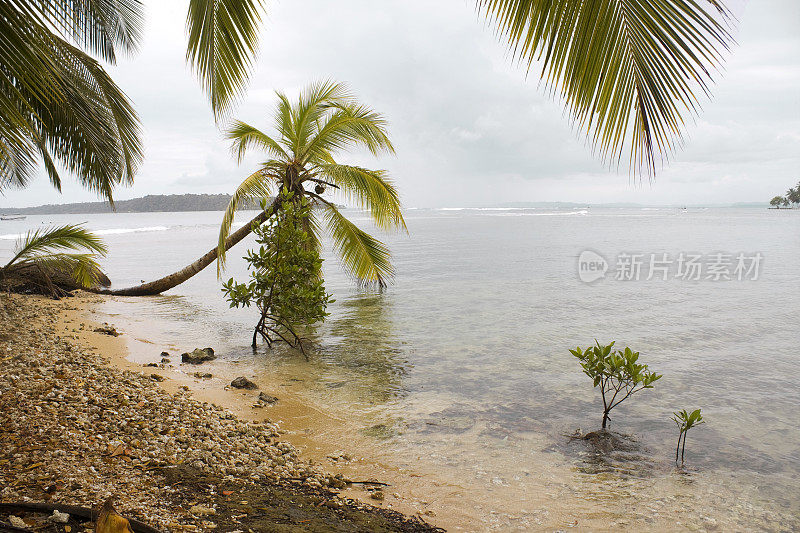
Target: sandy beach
{"points": [[81, 424]]}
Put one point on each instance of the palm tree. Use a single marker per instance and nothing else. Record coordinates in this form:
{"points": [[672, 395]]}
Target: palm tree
{"points": [[40, 261], [793, 195], [629, 72], [58, 106], [324, 119]]}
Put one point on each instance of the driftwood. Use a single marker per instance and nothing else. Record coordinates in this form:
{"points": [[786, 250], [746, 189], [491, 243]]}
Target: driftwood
{"points": [[83, 512], [31, 278]]}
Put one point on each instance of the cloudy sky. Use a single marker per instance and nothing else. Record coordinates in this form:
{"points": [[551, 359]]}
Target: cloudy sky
{"points": [[468, 126]]}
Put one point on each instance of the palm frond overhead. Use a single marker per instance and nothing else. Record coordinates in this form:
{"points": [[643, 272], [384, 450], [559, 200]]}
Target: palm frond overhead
{"points": [[223, 40], [57, 104], [629, 71]]}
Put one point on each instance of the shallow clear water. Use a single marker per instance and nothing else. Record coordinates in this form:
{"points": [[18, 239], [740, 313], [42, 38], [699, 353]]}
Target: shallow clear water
{"points": [[463, 362]]}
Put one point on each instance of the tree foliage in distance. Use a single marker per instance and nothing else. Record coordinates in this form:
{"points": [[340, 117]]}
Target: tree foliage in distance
{"points": [[616, 372], [685, 422], [777, 201], [58, 106], [48, 253], [286, 282]]}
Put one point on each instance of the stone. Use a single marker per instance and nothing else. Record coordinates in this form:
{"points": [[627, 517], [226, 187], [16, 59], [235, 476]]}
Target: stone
{"points": [[198, 356], [165, 360], [201, 510], [203, 375], [105, 329], [377, 495], [58, 517], [157, 377], [266, 398], [17, 522], [243, 383]]}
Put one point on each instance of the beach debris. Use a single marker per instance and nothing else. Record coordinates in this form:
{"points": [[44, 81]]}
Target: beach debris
{"points": [[165, 360], [106, 329], [198, 356], [201, 510], [110, 521], [203, 375], [243, 383], [164, 354], [154, 365], [17, 522], [157, 377], [377, 495], [266, 398], [58, 517]]}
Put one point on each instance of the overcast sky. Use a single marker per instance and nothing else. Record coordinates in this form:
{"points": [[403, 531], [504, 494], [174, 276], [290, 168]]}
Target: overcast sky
{"points": [[468, 126]]}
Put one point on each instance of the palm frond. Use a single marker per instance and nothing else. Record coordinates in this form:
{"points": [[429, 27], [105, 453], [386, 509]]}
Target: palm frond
{"points": [[97, 25], [349, 125], [628, 70], [312, 104], [223, 40], [369, 189], [258, 185], [245, 136], [82, 268], [59, 102], [364, 257], [47, 241]]}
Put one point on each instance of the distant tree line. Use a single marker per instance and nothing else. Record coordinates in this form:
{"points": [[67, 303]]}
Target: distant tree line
{"points": [[147, 204], [791, 199]]}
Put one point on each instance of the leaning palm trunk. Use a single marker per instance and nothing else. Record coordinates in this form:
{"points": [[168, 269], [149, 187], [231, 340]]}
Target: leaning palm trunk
{"points": [[176, 278]]}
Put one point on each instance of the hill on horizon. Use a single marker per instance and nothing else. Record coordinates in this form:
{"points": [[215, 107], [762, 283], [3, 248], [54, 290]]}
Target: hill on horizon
{"points": [[146, 204]]}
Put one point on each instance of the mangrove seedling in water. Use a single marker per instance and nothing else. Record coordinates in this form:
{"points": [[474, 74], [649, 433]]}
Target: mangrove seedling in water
{"points": [[685, 421], [616, 372], [285, 275]]}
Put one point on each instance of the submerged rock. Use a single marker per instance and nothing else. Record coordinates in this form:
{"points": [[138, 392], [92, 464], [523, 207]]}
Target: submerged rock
{"points": [[243, 383], [266, 398], [198, 356]]}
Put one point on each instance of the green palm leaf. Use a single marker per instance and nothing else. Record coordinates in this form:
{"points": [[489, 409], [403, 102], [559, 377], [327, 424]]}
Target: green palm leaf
{"points": [[46, 248], [57, 103], [223, 39], [629, 71], [369, 189], [364, 257], [40, 242]]}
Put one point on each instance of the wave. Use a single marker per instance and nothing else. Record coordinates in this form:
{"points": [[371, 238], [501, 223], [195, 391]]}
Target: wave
{"points": [[112, 231], [119, 231], [561, 214]]}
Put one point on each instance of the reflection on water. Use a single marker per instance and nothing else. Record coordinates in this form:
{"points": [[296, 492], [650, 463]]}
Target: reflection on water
{"points": [[463, 364]]}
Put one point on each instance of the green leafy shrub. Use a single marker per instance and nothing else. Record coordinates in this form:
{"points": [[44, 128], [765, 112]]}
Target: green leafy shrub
{"points": [[616, 372], [286, 282], [685, 421]]}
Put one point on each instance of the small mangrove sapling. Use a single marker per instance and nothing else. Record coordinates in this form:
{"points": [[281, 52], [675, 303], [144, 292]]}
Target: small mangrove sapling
{"points": [[285, 275], [616, 372], [685, 421]]}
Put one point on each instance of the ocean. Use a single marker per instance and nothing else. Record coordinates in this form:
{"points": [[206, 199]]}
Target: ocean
{"points": [[463, 364]]}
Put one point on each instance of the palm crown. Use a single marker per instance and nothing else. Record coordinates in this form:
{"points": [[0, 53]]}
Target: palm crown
{"points": [[325, 119]]}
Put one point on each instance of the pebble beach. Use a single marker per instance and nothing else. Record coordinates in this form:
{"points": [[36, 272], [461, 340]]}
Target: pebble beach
{"points": [[79, 431]]}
